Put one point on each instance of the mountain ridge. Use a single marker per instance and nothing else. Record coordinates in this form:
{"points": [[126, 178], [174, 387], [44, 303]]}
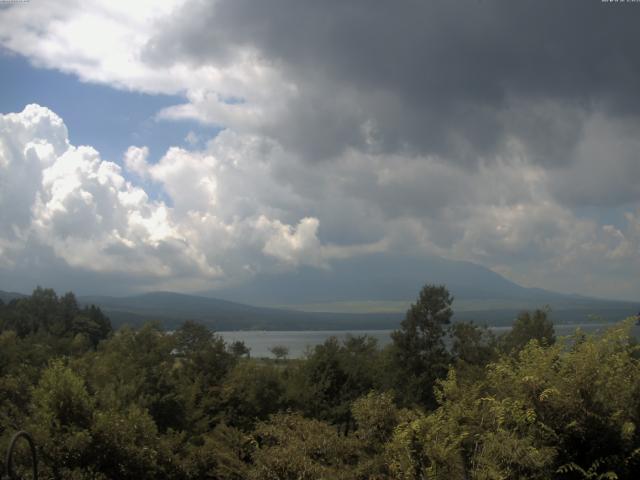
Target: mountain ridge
{"points": [[388, 283], [383, 277]]}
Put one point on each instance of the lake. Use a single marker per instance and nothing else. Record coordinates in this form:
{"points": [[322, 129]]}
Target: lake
{"points": [[299, 341]]}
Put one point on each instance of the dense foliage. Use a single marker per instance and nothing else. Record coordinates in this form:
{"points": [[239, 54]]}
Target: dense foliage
{"points": [[443, 401]]}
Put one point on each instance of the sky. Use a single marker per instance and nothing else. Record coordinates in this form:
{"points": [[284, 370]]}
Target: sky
{"points": [[189, 145]]}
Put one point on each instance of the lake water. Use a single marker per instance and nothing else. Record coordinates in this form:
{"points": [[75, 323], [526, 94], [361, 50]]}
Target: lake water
{"points": [[299, 341]]}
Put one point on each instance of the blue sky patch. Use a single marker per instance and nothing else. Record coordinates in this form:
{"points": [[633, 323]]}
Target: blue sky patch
{"points": [[108, 119]]}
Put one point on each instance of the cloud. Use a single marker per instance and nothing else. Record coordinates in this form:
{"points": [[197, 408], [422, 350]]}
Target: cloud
{"points": [[244, 205], [453, 79], [424, 79], [66, 200], [99, 41], [80, 206], [472, 130], [135, 160], [293, 245], [605, 165]]}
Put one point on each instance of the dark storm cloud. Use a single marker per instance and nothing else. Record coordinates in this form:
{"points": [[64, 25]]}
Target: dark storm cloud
{"points": [[454, 78], [500, 132]]}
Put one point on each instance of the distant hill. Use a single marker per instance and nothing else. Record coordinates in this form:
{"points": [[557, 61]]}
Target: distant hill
{"points": [[381, 277], [6, 297], [171, 309], [385, 283], [361, 293]]}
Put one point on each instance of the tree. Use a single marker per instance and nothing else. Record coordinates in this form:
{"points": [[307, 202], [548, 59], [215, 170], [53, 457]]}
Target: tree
{"points": [[192, 337], [239, 349], [418, 350], [472, 344], [203, 362], [203, 352], [290, 446], [251, 392], [334, 375], [279, 351], [564, 411], [376, 417], [59, 317], [126, 445], [137, 366], [62, 411], [90, 321], [527, 327], [219, 454]]}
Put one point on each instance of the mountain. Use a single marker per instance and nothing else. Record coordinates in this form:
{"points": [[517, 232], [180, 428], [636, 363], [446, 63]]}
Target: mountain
{"points": [[380, 277], [389, 283], [6, 297], [171, 309], [360, 293]]}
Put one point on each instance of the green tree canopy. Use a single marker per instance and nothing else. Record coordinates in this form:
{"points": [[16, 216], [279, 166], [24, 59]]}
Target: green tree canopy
{"points": [[529, 326], [418, 351]]}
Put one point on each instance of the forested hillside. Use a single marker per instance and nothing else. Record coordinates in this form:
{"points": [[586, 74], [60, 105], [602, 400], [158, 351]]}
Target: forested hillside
{"points": [[143, 403]]}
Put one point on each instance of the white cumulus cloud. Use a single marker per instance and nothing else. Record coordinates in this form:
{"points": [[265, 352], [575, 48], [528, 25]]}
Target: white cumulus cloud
{"points": [[68, 200]]}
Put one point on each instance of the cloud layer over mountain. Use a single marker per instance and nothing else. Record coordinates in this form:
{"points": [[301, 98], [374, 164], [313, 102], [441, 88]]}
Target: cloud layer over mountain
{"points": [[505, 133]]}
